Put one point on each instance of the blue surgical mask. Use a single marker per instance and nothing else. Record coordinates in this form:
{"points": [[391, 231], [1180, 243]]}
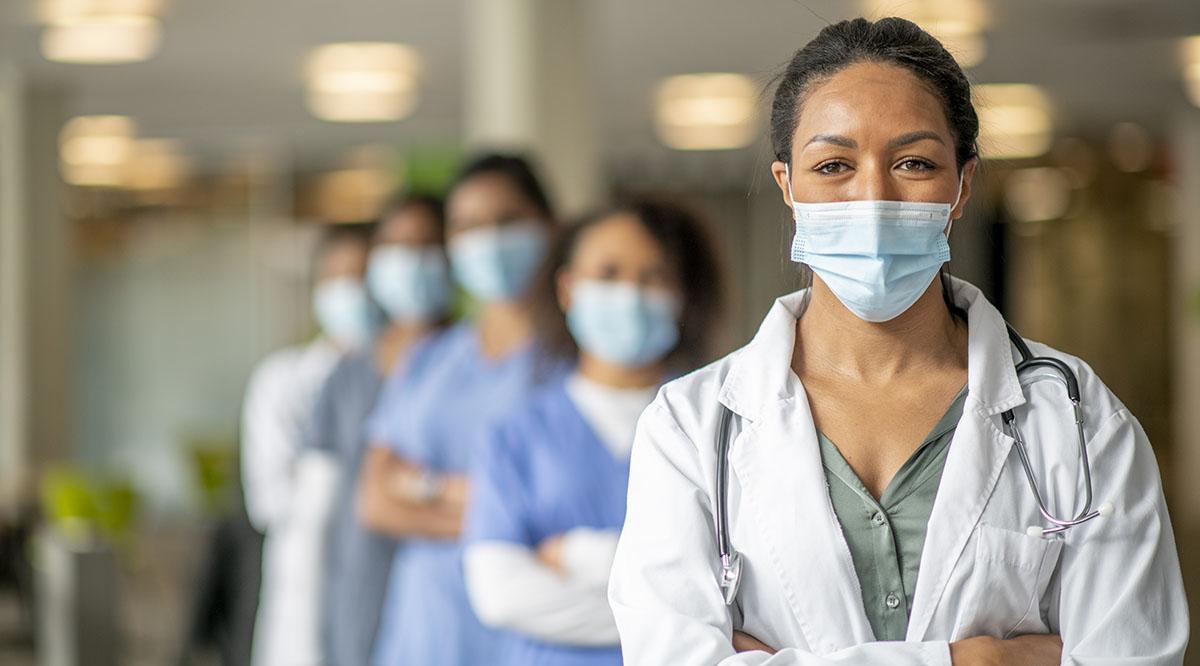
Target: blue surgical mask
{"points": [[495, 263], [877, 257], [409, 283], [343, 311], [623, 324]]}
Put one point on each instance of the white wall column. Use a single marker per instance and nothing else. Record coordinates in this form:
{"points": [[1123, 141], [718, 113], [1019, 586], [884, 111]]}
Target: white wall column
{"points": [[14, 338], [36, 288], [529, 88]]}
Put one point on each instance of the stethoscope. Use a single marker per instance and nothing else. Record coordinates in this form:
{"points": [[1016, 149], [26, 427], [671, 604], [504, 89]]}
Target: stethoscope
{"points": [[731, 560]]}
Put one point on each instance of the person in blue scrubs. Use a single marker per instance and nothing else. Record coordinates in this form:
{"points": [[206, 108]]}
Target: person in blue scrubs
{"points": [[630, 298], [408, 278], [425, 429]]}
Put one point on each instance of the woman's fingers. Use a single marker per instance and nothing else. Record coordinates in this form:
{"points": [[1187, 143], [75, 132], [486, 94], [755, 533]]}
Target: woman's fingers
{"points": [[743, 642], [1034, 649]]}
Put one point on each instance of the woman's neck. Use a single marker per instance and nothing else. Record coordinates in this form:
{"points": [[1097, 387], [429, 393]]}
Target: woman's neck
{"points": [[617, 376], [832, 341], [503, 326], [397, 338]]}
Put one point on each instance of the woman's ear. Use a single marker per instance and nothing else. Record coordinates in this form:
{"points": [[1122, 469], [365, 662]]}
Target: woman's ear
{"points": [[780, 171], [563, 282], [968, 173]]}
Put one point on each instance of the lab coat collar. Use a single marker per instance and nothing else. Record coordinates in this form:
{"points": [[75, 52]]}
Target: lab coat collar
{"points": [[760, 373]]}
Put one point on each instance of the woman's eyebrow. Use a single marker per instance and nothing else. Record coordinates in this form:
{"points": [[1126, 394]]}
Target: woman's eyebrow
{"points": [[835, 139], [913, 137]]}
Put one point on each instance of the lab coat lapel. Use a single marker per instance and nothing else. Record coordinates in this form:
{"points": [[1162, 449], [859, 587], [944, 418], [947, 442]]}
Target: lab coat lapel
{"points": [[973, 466], [783, 486], [976, 457], [777, 463]]}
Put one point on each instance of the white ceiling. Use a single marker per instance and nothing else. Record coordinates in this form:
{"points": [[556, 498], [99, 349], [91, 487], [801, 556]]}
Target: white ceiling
{"points": [[230, 70]]}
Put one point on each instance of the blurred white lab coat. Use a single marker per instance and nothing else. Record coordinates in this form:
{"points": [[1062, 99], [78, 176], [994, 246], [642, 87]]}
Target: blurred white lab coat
{"points": [[277, 419]]}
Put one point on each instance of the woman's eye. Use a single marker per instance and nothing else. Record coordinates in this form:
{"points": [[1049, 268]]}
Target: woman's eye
{"points": [[916, 165], [830, 168]]}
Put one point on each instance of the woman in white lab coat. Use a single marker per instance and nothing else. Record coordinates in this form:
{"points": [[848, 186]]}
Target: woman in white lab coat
{"points": [[875, 495]]}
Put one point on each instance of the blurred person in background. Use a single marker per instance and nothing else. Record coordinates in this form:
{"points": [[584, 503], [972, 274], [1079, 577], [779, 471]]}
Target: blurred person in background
{"points": [[277, 418], [431, 415], [408, 277], [628, 298]]}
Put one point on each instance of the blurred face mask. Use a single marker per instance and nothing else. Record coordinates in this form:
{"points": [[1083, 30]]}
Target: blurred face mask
{"points": [[495, 263], [343, 311], [622, 323], [877, 257], [410, 284]]}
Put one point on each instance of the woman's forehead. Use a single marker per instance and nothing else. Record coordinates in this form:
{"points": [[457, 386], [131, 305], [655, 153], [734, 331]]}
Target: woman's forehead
{"points": [[870, 98]]}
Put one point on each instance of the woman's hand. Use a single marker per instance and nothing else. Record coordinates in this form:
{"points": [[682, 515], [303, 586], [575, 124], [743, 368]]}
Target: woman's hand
{"points": [[1030, 650], [453, 490], [743, 642], [550, 551]]}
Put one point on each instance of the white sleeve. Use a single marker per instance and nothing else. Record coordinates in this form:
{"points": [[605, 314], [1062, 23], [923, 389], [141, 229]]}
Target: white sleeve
{"points": [[587, 555], [511, 589], [270, 438], [664, 591], [1121, 594]]}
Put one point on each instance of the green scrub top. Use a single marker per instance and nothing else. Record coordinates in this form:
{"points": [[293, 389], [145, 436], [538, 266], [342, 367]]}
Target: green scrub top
{"points": [[886, 536]]}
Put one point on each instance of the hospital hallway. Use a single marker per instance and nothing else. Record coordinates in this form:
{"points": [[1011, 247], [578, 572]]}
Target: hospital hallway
{"points": [[198, 352]]}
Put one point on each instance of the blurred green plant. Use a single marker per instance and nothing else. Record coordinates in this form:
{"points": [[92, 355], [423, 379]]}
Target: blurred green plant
{"points": [[214, 466], [84, 506], [430, 169]]}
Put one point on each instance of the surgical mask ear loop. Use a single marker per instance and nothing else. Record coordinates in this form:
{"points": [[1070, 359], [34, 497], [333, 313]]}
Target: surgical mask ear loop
{"points": [[950, 225], [787, 172]]}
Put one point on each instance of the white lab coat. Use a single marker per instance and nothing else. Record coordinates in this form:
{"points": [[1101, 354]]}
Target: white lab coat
{"points": [[1112, 587], [287, 498]]}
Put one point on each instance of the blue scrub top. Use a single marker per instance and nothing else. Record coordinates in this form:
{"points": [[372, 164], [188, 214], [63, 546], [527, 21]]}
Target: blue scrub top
{"points": [[544, 471], [434, 414]]}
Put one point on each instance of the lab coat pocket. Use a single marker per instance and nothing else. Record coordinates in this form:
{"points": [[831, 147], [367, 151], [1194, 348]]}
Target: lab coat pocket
{"points": [[1011, 574]]}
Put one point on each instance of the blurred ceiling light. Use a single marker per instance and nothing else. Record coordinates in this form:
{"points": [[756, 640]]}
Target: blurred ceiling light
{"points": [[362, 81], [93, 150], [706, 111], [1190, 51], [962, 40], [353, 194], [957, 24], [107, 39], [1037, 194], [157, 165], [57, 11], [1014, 120], [1130, 147]]}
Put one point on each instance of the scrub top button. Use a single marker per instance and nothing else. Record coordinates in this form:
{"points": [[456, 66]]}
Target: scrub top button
{"points": [[892, 601]]}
